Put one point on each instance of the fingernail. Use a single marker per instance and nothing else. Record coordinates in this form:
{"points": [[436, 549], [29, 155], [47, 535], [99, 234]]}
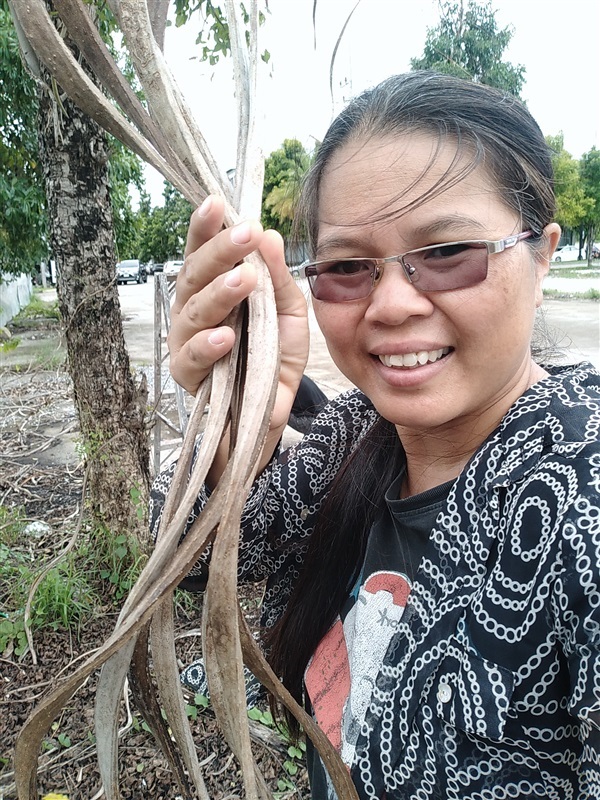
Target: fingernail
{"points": [[234, 278], [216, 337], [205, 207], [241, 233]]}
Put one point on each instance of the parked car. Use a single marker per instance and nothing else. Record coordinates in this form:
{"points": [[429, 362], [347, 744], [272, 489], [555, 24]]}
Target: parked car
{"points": [[570, 252], [133, 270], [596, 250], [153, 268], [172, 267]]}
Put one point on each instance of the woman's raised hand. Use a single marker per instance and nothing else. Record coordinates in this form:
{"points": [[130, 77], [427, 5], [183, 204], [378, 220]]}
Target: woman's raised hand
{"points": [[209, 286]]}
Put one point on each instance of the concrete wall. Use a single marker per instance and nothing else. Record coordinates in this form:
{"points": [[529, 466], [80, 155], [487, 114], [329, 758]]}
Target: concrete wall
{"points": [[15, 293]]}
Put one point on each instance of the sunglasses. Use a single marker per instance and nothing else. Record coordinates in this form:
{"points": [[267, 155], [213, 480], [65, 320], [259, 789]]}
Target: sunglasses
{"points": [[437, 268]]}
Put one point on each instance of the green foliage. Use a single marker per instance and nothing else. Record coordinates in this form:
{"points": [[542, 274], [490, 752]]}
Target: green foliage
{"points": [[63, 599], [23, 223], [12, 632], [117, 560], [22, 200], [201, 703], [264, 717], [590, 177], [37, 309], [284, 171], [102, 567], [213, 37], [573, 205], [12, 521], [124, 170], [9, 344], [163, 229], [296, 753], [467, 43]]}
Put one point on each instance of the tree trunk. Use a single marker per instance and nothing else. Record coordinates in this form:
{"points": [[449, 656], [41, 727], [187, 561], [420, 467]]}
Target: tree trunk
{"points": [[111, 407]]}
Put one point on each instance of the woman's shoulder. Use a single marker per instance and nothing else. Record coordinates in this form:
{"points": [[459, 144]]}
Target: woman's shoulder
{"points": [[574, 393], [570, 392], [556, 421]]}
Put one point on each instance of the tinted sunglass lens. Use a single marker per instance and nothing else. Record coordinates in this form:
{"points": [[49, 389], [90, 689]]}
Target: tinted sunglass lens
{"points": [[333, 285], [441, 269]]}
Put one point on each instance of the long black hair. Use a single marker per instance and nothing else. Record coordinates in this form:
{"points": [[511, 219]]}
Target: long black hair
{"points": [[499, 133], [335, 554]]}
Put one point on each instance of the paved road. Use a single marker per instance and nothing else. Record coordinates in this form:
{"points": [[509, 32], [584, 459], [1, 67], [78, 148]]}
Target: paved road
{"points": [[576, 324]]}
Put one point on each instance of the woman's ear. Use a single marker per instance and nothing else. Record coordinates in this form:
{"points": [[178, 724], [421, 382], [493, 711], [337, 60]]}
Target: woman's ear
{"points": [[549, 243], [551, 239]]}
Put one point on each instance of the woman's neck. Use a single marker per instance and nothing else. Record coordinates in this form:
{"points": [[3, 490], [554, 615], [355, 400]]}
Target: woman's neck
{"points": [[435, 456]]}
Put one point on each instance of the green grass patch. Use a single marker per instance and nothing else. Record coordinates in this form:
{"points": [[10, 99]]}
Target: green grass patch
{"points": [[9, 344], [589, 294], [64, 599], [37, 309], [96, 574], [575, 271], [49, 357]]}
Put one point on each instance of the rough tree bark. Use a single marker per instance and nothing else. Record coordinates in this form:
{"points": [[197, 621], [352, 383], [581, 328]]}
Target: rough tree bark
{"points": [[111, 407]]}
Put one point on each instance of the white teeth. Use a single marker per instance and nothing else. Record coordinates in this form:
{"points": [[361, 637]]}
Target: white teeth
{"points": [[414, 359]]}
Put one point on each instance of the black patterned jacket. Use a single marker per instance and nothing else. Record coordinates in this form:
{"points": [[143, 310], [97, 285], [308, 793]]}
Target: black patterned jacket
{"points": [[491, 686]]}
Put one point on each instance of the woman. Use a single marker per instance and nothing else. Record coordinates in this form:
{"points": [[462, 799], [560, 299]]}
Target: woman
{"points": [[431, 546]]}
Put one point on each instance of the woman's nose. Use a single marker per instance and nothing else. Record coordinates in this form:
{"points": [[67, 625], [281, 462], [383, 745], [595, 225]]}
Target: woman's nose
{"points": [[395, 298]]}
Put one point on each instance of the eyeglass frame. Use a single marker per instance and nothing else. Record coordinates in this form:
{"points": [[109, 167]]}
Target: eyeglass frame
{"points": [[492, 247]]}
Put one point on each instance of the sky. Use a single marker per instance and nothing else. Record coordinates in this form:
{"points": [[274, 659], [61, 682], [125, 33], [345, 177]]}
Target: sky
{"points": [[557, 41]]}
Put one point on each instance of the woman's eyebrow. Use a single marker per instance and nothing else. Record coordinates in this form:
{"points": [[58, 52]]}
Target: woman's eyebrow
{"points": [[340, 243], [449, 223], [452, 224]]}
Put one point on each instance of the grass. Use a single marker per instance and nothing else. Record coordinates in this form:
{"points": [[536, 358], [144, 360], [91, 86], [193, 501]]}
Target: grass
{"points": [[99, 571], [37, 309], [64, 599], [575, 270], [9, 344], [589, 294]]}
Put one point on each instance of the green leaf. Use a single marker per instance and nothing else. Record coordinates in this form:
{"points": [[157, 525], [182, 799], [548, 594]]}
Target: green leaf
{"points": [[64, 740]]}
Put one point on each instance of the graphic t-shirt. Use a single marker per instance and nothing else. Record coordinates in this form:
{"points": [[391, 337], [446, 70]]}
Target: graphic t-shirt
{"points": [[340, 676]]}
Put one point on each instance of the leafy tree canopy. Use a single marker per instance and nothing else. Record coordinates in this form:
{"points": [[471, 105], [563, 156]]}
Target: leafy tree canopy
{"points": [[23, 224], [589, 167], [214, 31], [284, 171], [572, 202], [590, 175], [125, 170], [163, 229], [23, 220], [468, 43]]}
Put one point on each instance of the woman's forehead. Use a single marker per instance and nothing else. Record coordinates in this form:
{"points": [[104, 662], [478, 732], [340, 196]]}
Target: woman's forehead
{"points": [[383, 178]]}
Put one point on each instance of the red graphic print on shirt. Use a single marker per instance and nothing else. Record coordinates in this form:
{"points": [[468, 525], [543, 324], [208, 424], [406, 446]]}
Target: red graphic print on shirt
{"points": [[341, 674]]}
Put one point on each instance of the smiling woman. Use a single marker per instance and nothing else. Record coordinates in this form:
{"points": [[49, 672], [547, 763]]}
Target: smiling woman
{"points": [[430, 546]]}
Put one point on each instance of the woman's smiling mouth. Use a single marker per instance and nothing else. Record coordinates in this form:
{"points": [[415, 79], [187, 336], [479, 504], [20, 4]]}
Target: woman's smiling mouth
{"points": [[413, 360]]}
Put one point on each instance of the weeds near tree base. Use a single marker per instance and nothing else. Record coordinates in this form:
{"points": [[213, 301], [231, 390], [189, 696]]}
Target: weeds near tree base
{"points": [[100, 566], [36, 309]]}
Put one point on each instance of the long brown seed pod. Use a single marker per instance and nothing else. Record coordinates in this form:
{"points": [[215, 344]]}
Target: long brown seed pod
{"points": [[168, 137]]}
